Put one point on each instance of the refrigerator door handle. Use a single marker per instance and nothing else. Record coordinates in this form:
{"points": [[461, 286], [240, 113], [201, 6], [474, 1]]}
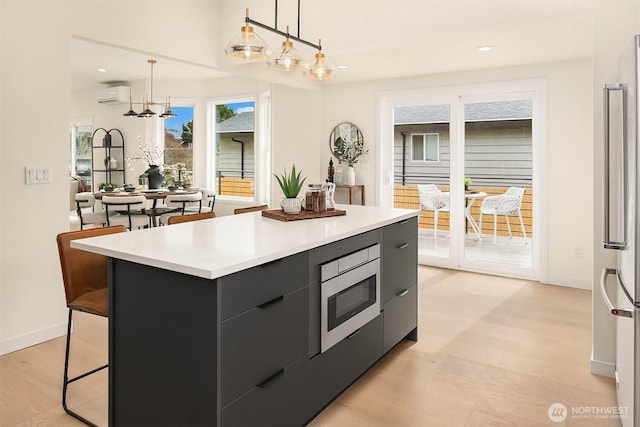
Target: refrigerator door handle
{"points": [[616, 311], [607, 243]]}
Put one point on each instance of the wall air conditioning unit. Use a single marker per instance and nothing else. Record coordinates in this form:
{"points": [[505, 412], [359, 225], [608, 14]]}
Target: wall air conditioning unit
{"points": [[114, 95]]}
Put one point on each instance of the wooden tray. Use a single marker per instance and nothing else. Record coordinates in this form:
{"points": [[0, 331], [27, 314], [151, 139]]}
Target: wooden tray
{"points": [[281, 216]]}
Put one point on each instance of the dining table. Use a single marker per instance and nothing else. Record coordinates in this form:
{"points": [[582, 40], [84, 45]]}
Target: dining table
{"points": [[157, 194]]}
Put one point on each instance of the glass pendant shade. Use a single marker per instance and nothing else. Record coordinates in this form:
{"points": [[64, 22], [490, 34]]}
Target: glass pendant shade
{"points": [[247, 46], [287, 59], [320, 69]]}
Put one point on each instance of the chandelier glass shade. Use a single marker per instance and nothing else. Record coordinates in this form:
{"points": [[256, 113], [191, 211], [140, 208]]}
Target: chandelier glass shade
{"points": [[148, 102], [320, 69], [287, 58], [247, 46]]}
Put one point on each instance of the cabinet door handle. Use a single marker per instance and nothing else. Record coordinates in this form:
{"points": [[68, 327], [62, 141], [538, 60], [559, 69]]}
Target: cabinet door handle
{"points": [[404, 221], [403, 293], [270, 302], [270, 263], [402, 246], [353, 334], [270, 378]]}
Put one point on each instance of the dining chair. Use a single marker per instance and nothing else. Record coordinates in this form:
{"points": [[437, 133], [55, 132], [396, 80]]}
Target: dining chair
{"points": [[84, 275], [177, 219], [208, 202], [86, 210], [250, 209], [432, 199], [506, 204], [181, 202], [126, 210]]}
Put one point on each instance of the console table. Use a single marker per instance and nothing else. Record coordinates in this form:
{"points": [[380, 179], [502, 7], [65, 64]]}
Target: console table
{"points": [[351, 189]]}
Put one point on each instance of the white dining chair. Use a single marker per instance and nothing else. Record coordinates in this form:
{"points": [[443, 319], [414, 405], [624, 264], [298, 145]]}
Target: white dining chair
{"points": [[182, 202], [207, 205], [88, 212], [126, 210], [507, 204], [432, 199]]}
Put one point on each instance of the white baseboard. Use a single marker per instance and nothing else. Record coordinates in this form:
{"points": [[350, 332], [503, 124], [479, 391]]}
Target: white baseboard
{"points": [[605, 369], [33, 338]]}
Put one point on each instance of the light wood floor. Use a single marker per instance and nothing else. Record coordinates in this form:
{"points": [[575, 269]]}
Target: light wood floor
{"points": [[492, 351]]}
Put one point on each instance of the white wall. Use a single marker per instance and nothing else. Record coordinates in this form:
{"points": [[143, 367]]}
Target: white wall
{"points": [[35, 102], [613, 30], [568, 213]]}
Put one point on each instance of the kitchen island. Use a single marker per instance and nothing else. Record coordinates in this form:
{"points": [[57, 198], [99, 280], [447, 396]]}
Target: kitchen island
{"points": [[217, 322]]}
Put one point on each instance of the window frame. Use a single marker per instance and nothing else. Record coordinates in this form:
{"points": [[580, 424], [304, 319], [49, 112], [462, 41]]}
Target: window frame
{"points": [[425, 141]]}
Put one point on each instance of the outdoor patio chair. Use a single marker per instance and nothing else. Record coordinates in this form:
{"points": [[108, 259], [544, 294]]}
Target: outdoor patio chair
{"points": [[507, 204], [432, 199]]}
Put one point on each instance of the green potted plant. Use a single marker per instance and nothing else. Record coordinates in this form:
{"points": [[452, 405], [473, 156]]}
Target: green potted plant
{"points": [[291, 184], [467, 183]]}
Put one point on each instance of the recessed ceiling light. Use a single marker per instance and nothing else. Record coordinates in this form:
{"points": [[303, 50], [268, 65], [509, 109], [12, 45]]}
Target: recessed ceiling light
{"points": [[102, 70], [485, 48], [342, 67]]}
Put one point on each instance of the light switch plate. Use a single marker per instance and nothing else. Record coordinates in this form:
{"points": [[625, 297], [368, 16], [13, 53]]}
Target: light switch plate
{"points": [[37, 174]]}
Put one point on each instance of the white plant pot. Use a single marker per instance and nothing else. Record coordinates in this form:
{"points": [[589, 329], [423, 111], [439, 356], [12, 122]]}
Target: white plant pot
{"points": [[351, 176], [291, 205]]}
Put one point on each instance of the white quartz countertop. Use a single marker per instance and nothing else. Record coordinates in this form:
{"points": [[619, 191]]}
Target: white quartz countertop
{"points": [[216, 247]]}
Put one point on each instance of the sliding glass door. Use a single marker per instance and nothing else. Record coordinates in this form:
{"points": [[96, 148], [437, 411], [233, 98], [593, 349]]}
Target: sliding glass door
{"points": [[466, 160]]}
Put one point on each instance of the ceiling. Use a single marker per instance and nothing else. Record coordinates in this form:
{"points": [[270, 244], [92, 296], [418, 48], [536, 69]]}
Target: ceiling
{"points": [[376, 39]]}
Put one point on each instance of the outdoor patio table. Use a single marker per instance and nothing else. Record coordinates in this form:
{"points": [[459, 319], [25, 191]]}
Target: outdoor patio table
{"points": [[470, 197]]}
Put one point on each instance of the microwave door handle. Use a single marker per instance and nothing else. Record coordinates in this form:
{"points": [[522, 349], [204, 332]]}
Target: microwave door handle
{"points": [[616, 311], [606, 241]]}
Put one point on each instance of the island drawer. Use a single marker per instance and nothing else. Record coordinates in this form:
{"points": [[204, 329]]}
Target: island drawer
{"points": [[262, 341], [399, 233], [334, 370], [400, 317], [250, 288], [280, 401], [399, 269]]}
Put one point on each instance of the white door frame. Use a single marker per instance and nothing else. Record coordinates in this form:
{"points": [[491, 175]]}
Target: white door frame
{"points": [[457, 95]]}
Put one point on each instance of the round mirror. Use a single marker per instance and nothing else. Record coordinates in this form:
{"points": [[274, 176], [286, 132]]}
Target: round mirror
{"points": [[342, 135]]}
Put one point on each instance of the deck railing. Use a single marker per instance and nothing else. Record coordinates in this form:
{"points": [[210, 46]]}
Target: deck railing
{"points": [[406, 196]]}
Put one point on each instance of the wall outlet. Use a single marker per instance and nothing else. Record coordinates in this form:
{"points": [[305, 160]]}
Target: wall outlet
{"points": [[579, 252]]}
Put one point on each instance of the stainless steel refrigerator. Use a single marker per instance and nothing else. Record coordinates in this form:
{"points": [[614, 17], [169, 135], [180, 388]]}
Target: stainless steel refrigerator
{"points": [[622, 226]]}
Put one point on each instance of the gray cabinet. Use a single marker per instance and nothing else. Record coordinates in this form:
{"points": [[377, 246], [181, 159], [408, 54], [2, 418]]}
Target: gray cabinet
{"points": [[334, 370], [400, 282], [261, 342], [264, 344], [281, 400]]}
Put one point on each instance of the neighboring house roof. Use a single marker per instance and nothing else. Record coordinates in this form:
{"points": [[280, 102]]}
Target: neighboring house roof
{"points": [[485, 111], [242, 122]]}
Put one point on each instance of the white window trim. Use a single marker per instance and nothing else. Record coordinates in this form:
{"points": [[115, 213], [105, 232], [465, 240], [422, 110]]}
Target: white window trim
{"points": [[424, 146]]}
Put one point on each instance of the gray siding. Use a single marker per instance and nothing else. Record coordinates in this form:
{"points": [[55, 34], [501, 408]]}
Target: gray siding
{"points": [[497, 154]]}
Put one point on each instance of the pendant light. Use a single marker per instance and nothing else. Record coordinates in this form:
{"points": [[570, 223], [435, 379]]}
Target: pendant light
{"points": [[320, 69], [286, 59], [148, 102], [247, 46]]}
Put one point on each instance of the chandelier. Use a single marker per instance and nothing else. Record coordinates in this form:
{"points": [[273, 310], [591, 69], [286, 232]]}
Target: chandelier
{"points": [[248, 46], [149, 101]]}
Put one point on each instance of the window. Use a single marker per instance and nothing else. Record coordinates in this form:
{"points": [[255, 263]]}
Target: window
{"points": [[178, 147], [234, 148], [425, 147], [80, 135]]}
